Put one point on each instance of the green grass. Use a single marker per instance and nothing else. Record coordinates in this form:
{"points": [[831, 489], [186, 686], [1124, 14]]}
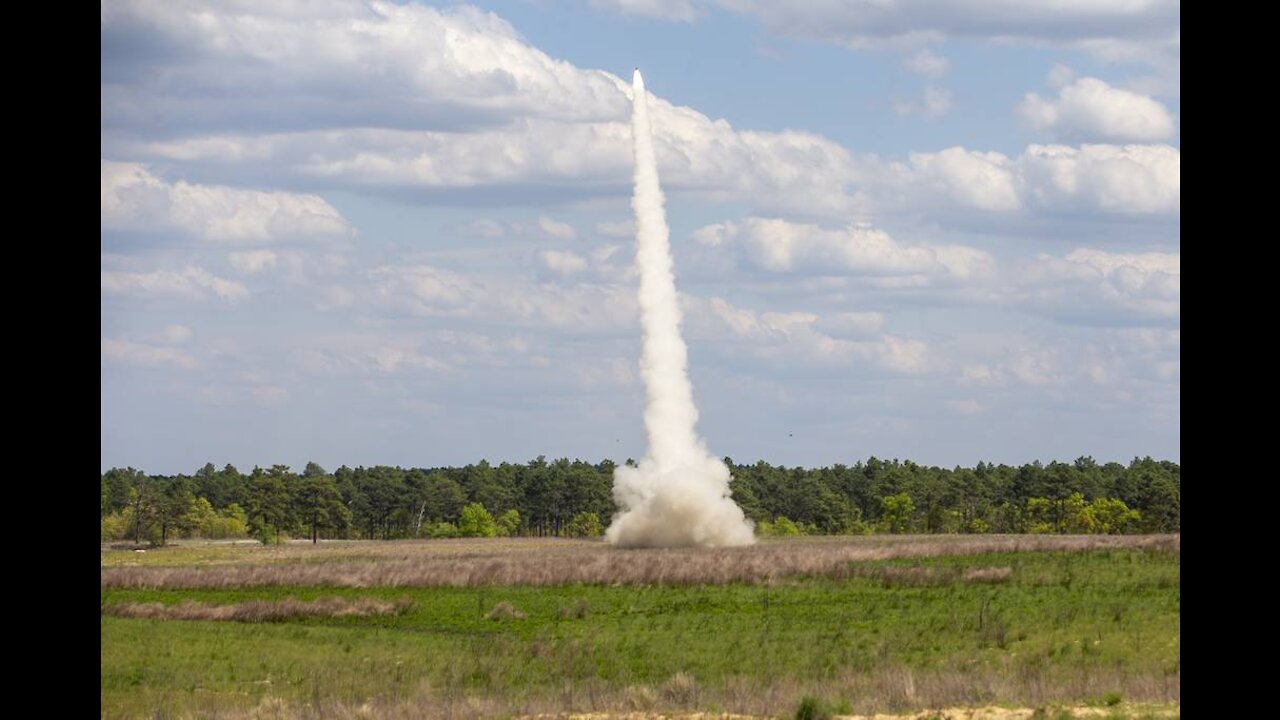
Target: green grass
{"points": [[1111, 617]]}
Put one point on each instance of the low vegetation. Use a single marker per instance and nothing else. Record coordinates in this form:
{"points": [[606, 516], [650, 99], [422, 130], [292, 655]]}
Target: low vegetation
{"points": [[909, 624], [259, 610], [559, 562]]}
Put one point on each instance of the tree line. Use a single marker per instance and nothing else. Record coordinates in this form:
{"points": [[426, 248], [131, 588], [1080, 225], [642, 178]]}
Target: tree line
{"points": [[573, 498]]}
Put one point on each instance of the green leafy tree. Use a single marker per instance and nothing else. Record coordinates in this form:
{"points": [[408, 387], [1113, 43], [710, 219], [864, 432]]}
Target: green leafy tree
{"points": [[233, 522], [784, 527], [896, 512], [172, 506], [1040, 516], [1077, 517], [320, 504], [201, 519], [1111, 516], [476, 522], [509, 523], [270, 511], [585, 524]]}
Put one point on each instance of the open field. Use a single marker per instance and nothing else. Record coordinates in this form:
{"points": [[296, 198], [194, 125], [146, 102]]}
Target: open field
{"points": [[553, 561], [864, 625]]}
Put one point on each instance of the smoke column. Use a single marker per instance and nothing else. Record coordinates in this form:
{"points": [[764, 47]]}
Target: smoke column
{"points": [[678, 494]]}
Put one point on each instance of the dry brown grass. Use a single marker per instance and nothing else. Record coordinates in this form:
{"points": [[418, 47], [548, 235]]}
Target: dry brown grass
{"points": [[886, 694], [259, 610], [988, 575], [541, 562], [504, 611]]}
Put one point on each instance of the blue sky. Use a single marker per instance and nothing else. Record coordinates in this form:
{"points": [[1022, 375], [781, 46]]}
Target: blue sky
{"points": [[399, 233]]}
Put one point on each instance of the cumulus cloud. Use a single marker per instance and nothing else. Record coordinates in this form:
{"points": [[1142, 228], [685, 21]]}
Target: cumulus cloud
{"points": [[556, 230], [177, 333], [927, 63], [253, 261], [1090, 110], [191, 283], [426, 290], [1126, 179], [670, 10], [617, 229], [135, 199], [132, 353], [1089, 285], [334, 64], [798, 337], [1134, 31], [563, 262], [1052, 179], [483, 228], [519, 121], [777, 245], [934, 103]]}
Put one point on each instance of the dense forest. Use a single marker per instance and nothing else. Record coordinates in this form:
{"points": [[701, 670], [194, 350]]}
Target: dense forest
{"points": [[572, 498]]}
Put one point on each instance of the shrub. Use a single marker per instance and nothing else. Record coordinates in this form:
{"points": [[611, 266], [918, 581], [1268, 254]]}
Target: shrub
{"points": [[783, 526], [508, 523], [441, 530], [585, 524], [476, 522], [116, 526], [811, 708], [681, 689], [504, 611]]}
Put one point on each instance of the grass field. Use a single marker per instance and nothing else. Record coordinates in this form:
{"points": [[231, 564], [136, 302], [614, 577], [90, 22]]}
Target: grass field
{"points": [[519, 627]]}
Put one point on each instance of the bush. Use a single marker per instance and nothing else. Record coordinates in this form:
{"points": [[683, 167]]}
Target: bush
{"points": [[783, 526], [441, 530], [508, 523], [117, 526], [811, 708], [585, 524], [476, 522]]}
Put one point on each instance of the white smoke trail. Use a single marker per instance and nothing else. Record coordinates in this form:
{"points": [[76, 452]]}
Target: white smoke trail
{"points": [[678, 494]]}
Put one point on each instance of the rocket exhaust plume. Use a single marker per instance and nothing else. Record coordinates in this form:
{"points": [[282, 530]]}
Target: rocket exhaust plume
{"points": [[678, 495]]}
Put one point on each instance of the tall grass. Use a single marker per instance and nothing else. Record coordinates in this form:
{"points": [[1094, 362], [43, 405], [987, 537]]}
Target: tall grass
{"points": [[897, 634], [546, 563]]}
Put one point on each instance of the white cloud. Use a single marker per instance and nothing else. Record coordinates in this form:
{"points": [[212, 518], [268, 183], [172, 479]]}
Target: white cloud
{"points": [[177, 334], [253, 261], [985, 181], [132, 353], [927, 63], [242, 392], [563, 262], [392, 359], [965, 407], [1142, 31], [1051, 179], [337, 64], [192, 283], [795, 337], [617, 229], [135, 199], [516, 120], [1127, 179], [934, 103], [483, 228], [671, 10], [1095, 285], [851, 324], [778, 245], [556, 230], [426, 290], [1089, 109]]}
